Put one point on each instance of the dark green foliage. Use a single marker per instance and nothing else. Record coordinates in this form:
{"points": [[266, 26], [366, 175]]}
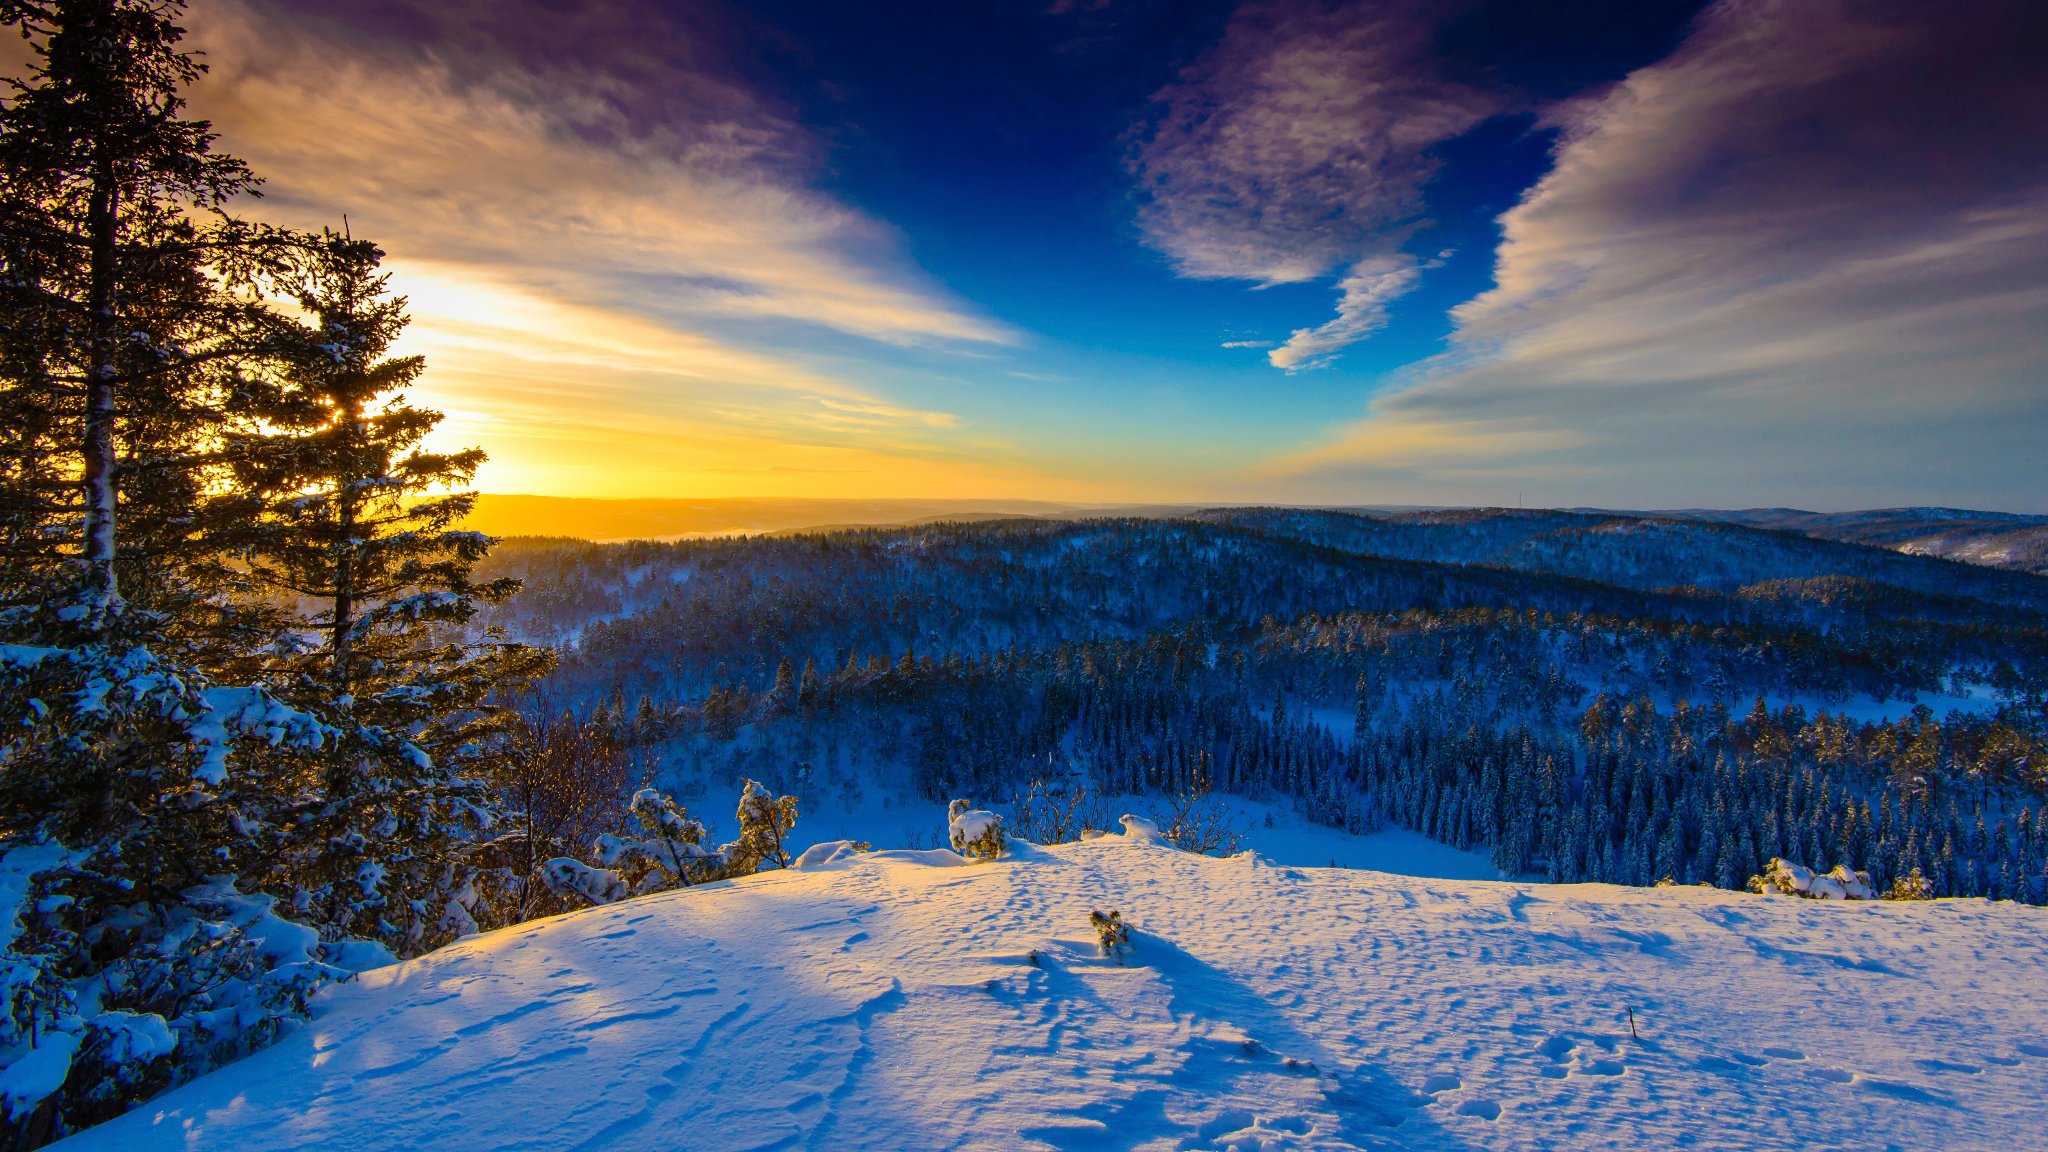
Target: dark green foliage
{"points": [[343, 511], [170, 488], [1113, 934]]}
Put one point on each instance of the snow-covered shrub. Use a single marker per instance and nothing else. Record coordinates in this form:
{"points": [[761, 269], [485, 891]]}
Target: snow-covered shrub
{"points": [[131, 957], [109, 1000], [1139, 828], [1912, 886], [1112, 932], [668, 853], [830, 852], [765, 821], [975, 832], [1839, 883], [569, 877]]}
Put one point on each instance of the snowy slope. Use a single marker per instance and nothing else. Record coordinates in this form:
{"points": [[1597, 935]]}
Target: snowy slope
{"points": [[890, 1002]]}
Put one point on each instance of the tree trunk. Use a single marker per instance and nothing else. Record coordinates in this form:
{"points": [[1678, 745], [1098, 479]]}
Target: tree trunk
{"points": [[344, 579], [100, 388]]}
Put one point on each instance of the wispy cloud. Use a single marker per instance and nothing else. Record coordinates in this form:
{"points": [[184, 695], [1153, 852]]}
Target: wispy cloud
{"points": [[1365, 293], [1299, 143], [608, 244], [1765, 264], [549, 176], [1298, 146]]}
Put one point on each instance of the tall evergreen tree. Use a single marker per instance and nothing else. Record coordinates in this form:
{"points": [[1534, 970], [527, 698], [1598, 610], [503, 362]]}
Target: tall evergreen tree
{"points": [[348, 512], [133, 786], [113, 318]]}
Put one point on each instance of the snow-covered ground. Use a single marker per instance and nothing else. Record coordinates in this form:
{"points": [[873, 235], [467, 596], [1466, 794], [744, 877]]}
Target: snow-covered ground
{"points": [[1273, 828], [1277, 832], [904, 1000]]}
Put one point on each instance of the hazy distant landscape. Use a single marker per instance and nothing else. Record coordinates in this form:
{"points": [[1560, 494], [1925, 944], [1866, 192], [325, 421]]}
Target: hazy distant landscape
{"points": [[1996, 539]]}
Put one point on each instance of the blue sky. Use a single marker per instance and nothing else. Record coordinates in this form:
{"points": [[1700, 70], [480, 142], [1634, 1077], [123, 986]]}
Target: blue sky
{"points": [[1627, 254]]}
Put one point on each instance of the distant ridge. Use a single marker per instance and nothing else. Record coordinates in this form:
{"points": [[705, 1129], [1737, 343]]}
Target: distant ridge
{"points": [[1993, 539], [657, 519], [603, 520]]}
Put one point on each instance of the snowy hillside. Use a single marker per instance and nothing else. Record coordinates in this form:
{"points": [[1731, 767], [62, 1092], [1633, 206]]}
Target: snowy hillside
{"points": [[903, 1000]]}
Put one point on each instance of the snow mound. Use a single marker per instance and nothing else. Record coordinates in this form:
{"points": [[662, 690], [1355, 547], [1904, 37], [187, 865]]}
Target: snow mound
{"points": [[900, 1000], [1139, 828], [829, 852]]}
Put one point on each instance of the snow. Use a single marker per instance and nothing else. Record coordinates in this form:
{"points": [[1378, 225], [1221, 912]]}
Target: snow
{"points": [[1275, 828], [914, 1000], [973, 825], [826, 853], [36, 1073], [133, 1036]]}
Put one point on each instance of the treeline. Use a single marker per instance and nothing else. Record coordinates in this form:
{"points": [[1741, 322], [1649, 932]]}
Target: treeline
{"points": [[1575, 747], [256, 737]]}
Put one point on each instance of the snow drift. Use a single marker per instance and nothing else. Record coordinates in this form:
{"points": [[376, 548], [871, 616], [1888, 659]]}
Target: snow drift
{"points": [[911, 1000]]}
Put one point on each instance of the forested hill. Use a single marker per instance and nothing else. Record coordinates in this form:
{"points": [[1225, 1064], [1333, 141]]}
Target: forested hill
{"points": [[1997, 539], [1585, 697], [965, 588], [1636, 551]]}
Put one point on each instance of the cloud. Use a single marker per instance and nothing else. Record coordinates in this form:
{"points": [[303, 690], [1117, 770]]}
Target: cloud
{"points": [[617, 261], [685, 213], [1298, 145], [1372, 285], [1807, 252]]}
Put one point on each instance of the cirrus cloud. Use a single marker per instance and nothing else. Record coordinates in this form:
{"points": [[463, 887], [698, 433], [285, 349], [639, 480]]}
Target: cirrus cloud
{"points": [[1299, 145], [608, 243], [1808, 251]]}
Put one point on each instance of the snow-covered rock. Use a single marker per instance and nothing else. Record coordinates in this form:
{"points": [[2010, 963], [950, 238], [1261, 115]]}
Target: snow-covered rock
{"points": [[828, 852], [900, 1000], [1139, 828]]}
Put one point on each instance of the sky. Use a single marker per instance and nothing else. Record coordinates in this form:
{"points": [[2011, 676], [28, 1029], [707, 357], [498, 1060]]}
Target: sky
{"points": [[1638, 254]]}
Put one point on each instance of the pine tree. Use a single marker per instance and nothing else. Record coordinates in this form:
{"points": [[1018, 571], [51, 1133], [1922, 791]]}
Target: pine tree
{"points": [[136, 785], [765, 822], [115, 314], [345, 510]]}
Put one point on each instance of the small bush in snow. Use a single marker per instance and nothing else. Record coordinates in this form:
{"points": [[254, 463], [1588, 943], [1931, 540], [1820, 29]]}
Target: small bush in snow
{"points": [[568, 877], [1912, 886], [1840, 883], [1059, 811], [1197, 820], [975, 833], [1113, 933], [669, 853]]}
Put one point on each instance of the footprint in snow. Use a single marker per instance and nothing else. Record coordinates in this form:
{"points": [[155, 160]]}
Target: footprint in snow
{"points": [[2032, 1048], [1482, 1108], [1568, 1057], [1240, 1131]]}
